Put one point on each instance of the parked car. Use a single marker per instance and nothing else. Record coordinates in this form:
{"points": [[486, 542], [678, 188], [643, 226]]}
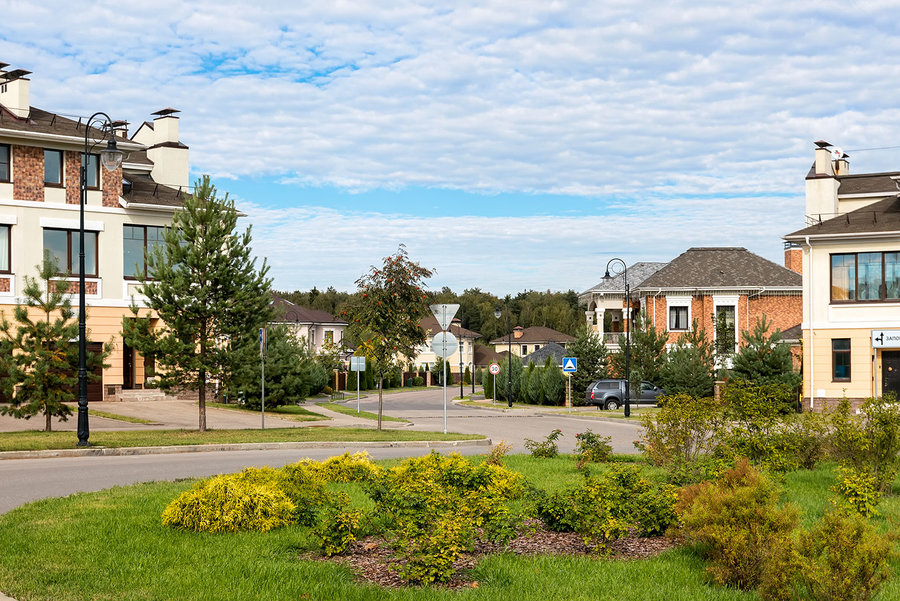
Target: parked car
{"points": [[610, 394]]}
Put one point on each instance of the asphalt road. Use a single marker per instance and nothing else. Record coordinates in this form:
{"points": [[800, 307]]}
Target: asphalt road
{"points": [[24, 480]]}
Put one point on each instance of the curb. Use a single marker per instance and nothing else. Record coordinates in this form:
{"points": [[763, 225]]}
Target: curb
{"points": [[248, 446]]}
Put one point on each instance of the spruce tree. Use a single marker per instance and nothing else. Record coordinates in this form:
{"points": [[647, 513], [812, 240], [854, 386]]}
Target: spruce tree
{"points": [[648, 354], [203, 284], [690, 367], [38, 360], [593, 358], [763, 358]]}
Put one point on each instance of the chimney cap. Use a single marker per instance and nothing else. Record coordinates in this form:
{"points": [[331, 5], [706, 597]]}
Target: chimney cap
{"points": [[822, 144], [2, 65], [15, 74], [166, 112]]}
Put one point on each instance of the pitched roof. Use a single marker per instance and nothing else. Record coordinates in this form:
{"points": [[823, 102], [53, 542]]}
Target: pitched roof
{"points": [[879, 217], [536, 334], [289, 312], [868, 183], [144, 190], [637, 273], [722, 267], [485, 355], [540, 356], [431, 326]]}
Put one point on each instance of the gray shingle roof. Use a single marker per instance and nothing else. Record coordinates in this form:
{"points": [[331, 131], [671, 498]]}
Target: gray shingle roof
{"points": [[868, 183], [540, 356], [882, 216], [722, 267], [289, 312], [535, 334], [430, 324], [637, 273]]}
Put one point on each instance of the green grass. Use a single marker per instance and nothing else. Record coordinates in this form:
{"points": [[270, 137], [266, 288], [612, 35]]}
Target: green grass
{"points": [[294, 412], [33, 440], [121, 418], [110, 545], [347, 410]]}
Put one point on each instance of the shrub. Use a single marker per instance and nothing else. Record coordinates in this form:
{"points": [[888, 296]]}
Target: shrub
{"points": [[430, 553], [869, 442], [357, 467], [858, 491], [547, 448], [683, 433], [737, 524], [338, 525], [843, 558], [592, 448], [303, 484], [230, 504], [328, 390], [498, 452], [418, 381]]}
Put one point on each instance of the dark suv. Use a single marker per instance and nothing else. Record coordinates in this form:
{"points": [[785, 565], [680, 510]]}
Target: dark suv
{"points": [[610, 394]]}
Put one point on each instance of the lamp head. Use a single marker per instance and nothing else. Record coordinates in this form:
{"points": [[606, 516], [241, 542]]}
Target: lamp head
{"points": [[497, 313], [111, 156], [606, 276]]}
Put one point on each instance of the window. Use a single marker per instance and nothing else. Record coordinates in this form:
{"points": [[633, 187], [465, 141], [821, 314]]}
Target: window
{"points": [[329, 336], [5, 249], [92, 173], [53, 167], [862, 277], [678, 318], [139, 241], [725, 329], [4, 163], [524, 349], [62, 246], [840, 359]]}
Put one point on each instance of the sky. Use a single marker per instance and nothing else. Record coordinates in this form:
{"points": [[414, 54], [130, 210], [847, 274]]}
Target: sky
{"points": [[509, 145]]}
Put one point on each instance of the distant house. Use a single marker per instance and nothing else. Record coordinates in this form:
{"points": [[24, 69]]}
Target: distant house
{"points": [[527, 340], [539, 357], [318, 328], [465, 343], [850, 253]]}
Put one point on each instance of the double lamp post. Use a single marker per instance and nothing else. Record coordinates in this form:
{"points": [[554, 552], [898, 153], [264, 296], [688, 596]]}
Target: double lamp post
{"points": [[509, 357], [111, 159]]}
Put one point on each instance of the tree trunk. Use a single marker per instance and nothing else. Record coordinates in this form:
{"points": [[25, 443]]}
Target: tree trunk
{"points": [[47, 423], [380, 397], [202, 398]]}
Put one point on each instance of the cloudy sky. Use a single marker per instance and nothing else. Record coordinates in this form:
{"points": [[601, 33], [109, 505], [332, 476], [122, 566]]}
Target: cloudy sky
{"points": [[510, 145]]}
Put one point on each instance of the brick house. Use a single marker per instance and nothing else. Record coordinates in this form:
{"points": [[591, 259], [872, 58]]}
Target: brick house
{"points": [[126, 210], [850, 252]]}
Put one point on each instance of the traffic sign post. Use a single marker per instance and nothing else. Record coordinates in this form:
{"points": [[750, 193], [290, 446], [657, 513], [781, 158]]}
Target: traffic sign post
{"points": [[569, 367], [443, 345], [357, 364], [494, 369]]}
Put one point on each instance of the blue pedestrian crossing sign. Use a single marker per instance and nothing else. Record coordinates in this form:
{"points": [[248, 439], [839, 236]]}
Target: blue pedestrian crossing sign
{"points": [[570, 364]]}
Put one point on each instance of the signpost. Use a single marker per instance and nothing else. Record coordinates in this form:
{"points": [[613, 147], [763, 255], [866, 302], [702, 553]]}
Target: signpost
{"points": [[262, 374], [444, 343], [357, 364], [494, 369], [569, 367]]}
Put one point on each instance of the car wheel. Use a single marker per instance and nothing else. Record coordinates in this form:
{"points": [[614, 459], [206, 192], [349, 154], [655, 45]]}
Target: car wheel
{"points": [[612, 405]]}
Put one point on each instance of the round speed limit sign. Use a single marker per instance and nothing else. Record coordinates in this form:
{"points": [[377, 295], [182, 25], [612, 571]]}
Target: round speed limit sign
{"points": [[494, 368]]}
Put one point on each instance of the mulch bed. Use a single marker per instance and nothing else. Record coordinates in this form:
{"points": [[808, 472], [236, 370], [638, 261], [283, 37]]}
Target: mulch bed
{"points": [[373, 561]]}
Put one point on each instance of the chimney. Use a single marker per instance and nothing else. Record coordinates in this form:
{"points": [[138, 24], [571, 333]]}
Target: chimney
{"points": [[165, 126], [14, 91], [169, 155], [518, 331], [824, 166], [793, 257]]}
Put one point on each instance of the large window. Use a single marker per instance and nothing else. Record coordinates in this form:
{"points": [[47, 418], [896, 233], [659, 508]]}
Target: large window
{"points": [[93, 171], [53, 167], [4, 163], [863, 277], [138, 242], [63, 247], [840, 359], [678, 318], [726, 335]]}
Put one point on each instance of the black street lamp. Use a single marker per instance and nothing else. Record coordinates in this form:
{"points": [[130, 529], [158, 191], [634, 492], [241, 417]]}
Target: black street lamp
{"points": [[111, 158], [607, 277], [497, 313]]}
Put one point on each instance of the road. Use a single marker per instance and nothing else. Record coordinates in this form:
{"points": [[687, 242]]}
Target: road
{"points": [[24, 480]]}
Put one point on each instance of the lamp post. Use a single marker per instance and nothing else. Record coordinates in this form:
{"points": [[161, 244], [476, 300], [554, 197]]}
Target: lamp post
{"points": [[607, 277], [497, 314], [111, 158]]}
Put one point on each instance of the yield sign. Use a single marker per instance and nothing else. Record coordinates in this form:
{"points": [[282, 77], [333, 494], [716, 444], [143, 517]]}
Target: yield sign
{"points": [[570, 364], [444, 314]]}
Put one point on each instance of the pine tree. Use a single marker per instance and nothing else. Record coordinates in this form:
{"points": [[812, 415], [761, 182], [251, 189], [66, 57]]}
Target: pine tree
{"points": [[38, 360], [648, 353], [203, 284], [690, 367], [386, 314], [593, 358], [763, 358]]}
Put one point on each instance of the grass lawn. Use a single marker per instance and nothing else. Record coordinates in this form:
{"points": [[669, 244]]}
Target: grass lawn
{"points": [[34, 440], [294, 412], [348, 410], [121, 418], [110, 545]]}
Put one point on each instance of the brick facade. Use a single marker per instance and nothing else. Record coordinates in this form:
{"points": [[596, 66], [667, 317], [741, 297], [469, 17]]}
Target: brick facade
{"points": [[112, 186], [782, 311], [793, 259], [89, 287], [73, 177], [4, 284], [28, 173]]}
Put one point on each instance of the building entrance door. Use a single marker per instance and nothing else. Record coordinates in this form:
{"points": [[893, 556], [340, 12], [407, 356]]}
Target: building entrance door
{"points": [[890, 372], [127, 367]]}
